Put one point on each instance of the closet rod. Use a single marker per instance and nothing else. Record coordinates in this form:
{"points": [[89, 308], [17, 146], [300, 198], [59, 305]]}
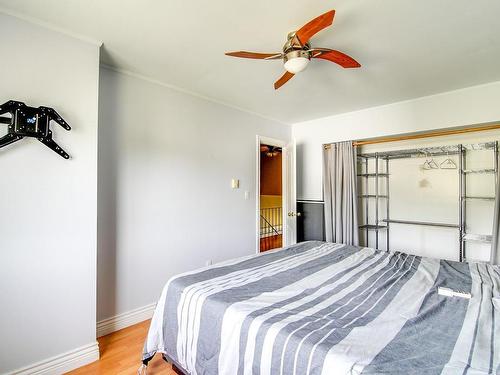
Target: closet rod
{"points": [[439, 133]]}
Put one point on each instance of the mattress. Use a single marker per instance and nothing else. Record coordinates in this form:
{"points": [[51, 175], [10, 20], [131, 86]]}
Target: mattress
{"points": [[324, 308]]}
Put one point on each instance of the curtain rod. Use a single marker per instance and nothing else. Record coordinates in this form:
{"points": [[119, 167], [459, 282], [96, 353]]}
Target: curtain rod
{"points": [[439, 133]]}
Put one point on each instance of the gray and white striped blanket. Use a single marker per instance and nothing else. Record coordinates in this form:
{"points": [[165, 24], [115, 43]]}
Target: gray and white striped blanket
{"points": [[323, 308]]}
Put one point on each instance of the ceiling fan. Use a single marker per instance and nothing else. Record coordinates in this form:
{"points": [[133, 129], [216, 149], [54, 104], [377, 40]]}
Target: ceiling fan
{"points": [[270, 151], [297, 51]]}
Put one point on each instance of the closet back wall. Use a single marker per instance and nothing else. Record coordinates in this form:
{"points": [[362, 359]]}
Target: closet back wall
{"points": [[166, 160]]}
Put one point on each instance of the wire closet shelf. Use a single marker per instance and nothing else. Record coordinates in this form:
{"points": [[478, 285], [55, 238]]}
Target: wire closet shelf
{"points": [[422, 152]]}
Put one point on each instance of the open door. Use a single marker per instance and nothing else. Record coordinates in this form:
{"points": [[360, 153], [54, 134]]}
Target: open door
{"points": [[276, 198], [290, 196]]}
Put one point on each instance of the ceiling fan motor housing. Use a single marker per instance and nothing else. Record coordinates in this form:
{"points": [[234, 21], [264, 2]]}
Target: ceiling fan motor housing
{"points": [[295, 56], [292, 43]]}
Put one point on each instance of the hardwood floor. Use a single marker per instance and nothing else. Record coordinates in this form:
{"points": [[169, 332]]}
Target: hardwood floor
{"points": [[121, 354], [271, 242]]}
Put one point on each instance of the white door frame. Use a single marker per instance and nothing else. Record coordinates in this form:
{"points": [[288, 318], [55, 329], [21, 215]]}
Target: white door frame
{"points": [[284, 182]]}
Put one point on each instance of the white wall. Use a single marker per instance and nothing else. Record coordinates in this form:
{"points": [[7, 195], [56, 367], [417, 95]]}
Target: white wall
{"points": [[474, 105], [166, 160], [48, 204], [415, 194]]}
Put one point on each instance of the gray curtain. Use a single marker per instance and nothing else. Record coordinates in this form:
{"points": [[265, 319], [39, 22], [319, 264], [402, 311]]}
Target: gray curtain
{"points": [[340, 193], [495, 241]]}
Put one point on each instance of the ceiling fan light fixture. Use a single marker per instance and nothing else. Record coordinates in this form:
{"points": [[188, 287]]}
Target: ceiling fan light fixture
{"points": [[297, 51], [296, 61]]}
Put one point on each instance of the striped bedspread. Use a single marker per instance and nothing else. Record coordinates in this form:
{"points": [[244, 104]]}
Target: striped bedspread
{"points": [[323, 308]]}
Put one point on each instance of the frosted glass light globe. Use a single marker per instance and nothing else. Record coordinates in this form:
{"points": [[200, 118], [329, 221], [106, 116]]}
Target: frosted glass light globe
{"points": [[296, 64]]}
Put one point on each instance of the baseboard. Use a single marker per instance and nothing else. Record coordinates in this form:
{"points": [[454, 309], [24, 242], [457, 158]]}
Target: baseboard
{"points": [[124, 320], [89, 353], [63, 362]]}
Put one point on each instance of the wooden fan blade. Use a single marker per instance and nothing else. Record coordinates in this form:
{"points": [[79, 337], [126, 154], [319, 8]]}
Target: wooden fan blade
{"points": [[254, 55], [312, 27], [284, 79], [338, 57]]}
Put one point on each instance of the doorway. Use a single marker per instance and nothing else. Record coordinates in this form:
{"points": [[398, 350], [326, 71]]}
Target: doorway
{"points": [[276, 217], [271, 197]]}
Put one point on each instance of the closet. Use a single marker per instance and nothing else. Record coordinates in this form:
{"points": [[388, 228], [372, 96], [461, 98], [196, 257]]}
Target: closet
{"points": [[432, 197]]}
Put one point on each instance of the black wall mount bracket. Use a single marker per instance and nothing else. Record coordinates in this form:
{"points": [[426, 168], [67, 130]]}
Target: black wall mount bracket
{"points": [[31, 122]]}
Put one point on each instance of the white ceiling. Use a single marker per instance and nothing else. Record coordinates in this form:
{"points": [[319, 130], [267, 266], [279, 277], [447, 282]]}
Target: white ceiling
{"points": [[407, 48]]}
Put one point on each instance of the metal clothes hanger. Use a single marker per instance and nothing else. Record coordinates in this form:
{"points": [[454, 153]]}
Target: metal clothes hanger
{"points": [[426, 164], [430, 164], [448, 163], [433, 164]]}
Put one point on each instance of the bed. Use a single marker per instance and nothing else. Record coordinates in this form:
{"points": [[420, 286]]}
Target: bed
{"points": [[325, 308]]}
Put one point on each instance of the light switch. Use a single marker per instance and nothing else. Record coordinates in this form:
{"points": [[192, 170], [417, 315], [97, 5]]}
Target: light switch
{"points": [[235, 183], [247, 195]]}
